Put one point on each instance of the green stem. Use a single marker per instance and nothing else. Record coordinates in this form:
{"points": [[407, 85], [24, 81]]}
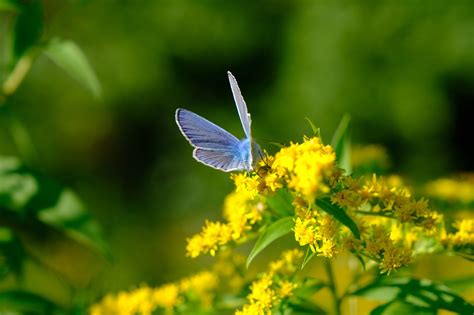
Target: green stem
{"points": [[332, 286], [386, 214]]}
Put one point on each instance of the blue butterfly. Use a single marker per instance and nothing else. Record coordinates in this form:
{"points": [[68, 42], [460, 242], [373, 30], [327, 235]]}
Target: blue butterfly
{"points": [[216, 147]]}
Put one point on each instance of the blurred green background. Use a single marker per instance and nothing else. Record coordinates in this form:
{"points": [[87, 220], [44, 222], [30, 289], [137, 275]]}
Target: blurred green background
{"points": [[404, 70]]}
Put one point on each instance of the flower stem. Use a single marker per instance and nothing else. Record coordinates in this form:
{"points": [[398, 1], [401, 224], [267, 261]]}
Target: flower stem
{"points": [[332, 286]]}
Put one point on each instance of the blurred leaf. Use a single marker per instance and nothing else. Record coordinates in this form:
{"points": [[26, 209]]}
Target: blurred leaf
{"points": [[399, 307], [461, 284], [420, 293], [273, 232], [316, 131], [309, 287], [338, 213], [16, 190], [51, 222], [302, 306], [62, 253], [308, 256], [9, 5], [28, 27], [341, 143], [68, 56], [281, 202], [20, 302]]}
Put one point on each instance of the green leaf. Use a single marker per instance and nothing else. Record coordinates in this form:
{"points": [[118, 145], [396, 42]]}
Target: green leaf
{"points": [[51, 223], [273, 232], [308, 288], [28, 27], [338, 213], [281, 202], [21, 302], [309, 255], [423, 293], [316, 131], [341, 143], [68, 56], [399, 307]]}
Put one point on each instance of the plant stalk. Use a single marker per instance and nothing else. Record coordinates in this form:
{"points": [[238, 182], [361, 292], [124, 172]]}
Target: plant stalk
{"points": [[332, 286]]}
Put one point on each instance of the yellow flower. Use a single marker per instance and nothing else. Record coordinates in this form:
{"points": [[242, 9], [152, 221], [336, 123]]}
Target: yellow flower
{"points": [[267, 292], [463, 238], [394, 258], [166, 296], [305, 232], [212, 235], [307, 167], [453, 189], [286, 289]]}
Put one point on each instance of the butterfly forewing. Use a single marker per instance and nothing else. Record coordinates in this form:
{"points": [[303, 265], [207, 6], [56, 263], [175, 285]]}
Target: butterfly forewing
{"points": [[240, 103], [202, 133]]}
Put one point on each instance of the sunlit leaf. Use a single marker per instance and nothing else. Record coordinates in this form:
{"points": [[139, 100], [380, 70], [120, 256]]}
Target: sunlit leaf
{"points": [[68, 56], [338, 213], [272, 233], [342, 144]]}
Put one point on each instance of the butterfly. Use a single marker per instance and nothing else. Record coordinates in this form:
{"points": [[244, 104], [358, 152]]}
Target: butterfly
{"points": [[216, 147]]}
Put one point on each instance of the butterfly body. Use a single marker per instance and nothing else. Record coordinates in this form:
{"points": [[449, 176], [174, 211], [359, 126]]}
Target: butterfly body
{"points": [[216, 147]]}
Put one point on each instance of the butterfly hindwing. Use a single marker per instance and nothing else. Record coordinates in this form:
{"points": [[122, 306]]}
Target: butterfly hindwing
{"points": [[226, 161]]}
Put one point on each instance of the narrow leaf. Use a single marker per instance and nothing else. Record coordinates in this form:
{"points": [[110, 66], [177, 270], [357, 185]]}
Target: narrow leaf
{"points": [[68, 56], [273, 232], [338, 213], [309, 255], [342, 144]]}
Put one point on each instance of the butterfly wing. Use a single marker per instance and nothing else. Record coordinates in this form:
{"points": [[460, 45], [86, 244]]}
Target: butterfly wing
{"points": [[240, 103], [213, 145], [202, 133], [226, 161]]}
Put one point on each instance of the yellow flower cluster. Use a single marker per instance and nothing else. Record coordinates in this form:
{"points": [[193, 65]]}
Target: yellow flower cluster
{"points": [[463, 239], [242, 209], [145, 300], [307, 168], [378, 245], [385, 197], [318, 231], [459, 189], [267, 292]]}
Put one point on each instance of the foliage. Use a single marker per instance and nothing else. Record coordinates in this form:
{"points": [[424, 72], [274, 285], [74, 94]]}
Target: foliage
{"points": [[375, 219], [336, 202]]}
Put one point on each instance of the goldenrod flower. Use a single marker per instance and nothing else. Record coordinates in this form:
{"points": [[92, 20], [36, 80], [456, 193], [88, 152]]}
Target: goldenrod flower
{"points": [[306, 167], [453, 189]]}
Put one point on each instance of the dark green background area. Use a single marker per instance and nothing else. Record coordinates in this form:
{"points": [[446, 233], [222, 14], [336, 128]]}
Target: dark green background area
{"points": [[404, 70]]}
